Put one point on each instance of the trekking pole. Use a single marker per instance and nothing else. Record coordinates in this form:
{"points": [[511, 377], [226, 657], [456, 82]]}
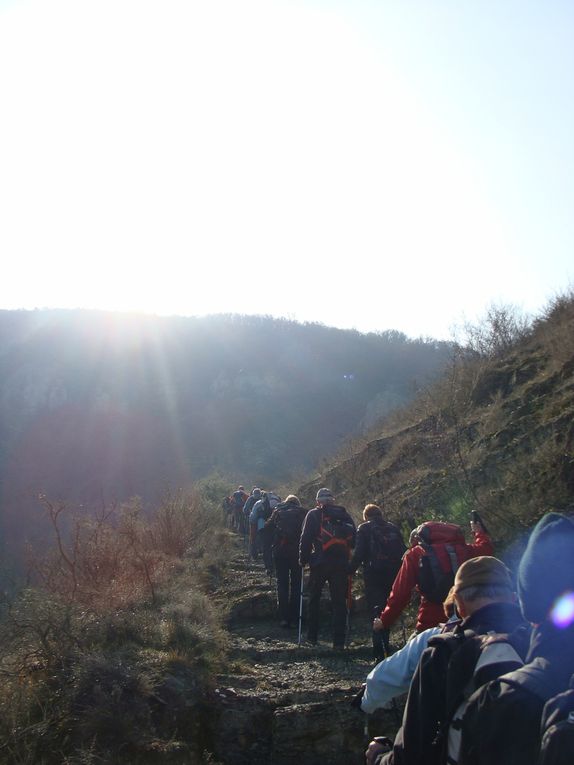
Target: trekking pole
{"points": [[301, 607]]}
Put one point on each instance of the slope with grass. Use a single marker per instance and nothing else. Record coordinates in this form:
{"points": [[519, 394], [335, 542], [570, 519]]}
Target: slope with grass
{"points": [[495, 434]]}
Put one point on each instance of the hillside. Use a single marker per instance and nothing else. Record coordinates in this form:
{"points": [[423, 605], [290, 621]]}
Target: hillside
{"points": [[495, 434], [156, 640], [98, 407]]}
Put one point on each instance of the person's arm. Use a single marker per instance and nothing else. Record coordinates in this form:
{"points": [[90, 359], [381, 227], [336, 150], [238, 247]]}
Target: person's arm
{"points": [[482, 544], [393, 676], [361, 549], [402, 589]]}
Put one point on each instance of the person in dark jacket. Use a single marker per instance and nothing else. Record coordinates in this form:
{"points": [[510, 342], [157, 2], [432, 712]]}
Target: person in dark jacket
{"points": [[379, 549], [502, 721], [484, 596], [285, 525], [327, 538]]}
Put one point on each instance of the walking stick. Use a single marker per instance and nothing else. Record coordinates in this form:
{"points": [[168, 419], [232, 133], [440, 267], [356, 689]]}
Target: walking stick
{"points": [[301, 607]]}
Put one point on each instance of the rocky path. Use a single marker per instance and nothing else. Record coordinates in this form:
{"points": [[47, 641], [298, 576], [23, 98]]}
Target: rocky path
{"points": [[279, 703]]}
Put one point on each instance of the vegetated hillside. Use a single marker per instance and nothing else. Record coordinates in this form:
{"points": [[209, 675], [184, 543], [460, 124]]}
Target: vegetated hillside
{"points": [[495, 434], [98, 407]]}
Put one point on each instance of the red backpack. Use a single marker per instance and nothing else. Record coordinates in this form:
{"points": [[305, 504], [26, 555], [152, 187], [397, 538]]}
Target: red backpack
{"points": [[445, 550]]}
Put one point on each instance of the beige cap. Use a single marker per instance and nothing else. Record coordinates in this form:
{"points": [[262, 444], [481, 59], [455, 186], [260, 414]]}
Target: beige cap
{"points": [[484, 571]]}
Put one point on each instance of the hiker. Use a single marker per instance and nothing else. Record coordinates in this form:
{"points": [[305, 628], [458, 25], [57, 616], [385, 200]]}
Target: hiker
{"points": [[239, 498], [262, 538], [502, 722], [227, 507], [392, 676], [379, 549], [484, 596], [438, 543], [248, 506], [327, 539], [285, 527]]}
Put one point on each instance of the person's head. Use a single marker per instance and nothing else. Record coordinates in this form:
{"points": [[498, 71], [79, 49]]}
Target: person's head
{"points": [[325, 497], [240, 488], [291, 499], [480, 582], [256, 492], [545, 579], [372, 512]]}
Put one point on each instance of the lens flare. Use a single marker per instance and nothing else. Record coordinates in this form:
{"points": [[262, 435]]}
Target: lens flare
{"points": [[562, 613]]}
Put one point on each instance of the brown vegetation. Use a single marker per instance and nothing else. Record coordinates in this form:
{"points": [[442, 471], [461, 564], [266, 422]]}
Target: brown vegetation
{"points": [[494, 434], [115, 644]]}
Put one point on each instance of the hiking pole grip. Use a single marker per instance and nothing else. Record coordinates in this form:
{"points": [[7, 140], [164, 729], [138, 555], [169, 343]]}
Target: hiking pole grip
{"points": [[475, 518]]}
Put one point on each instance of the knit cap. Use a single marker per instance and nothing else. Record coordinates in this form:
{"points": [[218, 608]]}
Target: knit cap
{"points": [[325, 496], [546, 569], [484, 571]]}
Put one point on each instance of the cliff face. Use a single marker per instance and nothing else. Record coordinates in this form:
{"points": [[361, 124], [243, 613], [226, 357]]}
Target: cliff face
{"points": [[495, 434]]}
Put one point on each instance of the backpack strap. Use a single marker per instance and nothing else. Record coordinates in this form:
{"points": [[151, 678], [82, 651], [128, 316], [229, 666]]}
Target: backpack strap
{"points": [[454, 563]]}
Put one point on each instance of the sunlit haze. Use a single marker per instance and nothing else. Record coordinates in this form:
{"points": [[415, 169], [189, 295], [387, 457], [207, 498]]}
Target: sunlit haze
{"points": [[363, 164]]}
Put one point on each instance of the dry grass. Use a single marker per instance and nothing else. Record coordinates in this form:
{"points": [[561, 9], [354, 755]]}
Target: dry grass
{"points": [[117, 643]]}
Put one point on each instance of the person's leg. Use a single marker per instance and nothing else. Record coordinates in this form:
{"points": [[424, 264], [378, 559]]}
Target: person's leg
{"points": [[294, 590], [338, 583], [267, 544], [282, 570], [316, 582]]}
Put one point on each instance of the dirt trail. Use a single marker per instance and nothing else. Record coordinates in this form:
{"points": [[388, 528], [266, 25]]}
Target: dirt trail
{"points": [[280, 703]]}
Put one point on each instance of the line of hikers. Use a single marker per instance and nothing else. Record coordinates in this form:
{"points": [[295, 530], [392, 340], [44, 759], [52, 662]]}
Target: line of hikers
{"points": [[487, 679]]}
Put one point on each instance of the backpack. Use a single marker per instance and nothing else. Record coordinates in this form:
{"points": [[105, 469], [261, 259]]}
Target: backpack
{"points": [[336, 535], [288, 524], [239, 498], [386, 547], [263, 512], [557, 729], [274, 500], [474, 661], [444, 550]]}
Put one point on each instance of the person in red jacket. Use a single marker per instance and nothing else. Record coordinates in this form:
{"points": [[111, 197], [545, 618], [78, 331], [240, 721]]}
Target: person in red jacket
{"points": [[408, 578]]}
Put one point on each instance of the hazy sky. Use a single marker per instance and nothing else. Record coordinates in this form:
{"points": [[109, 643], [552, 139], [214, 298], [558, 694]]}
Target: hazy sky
{"points": [[364, 164]]}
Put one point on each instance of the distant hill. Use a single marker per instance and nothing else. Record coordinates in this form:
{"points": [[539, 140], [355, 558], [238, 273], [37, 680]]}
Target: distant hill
{"points": [[495, 434], [97, 407]]}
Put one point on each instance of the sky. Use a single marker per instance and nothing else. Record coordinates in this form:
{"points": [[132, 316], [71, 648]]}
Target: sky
{"points": [[368, 164]]}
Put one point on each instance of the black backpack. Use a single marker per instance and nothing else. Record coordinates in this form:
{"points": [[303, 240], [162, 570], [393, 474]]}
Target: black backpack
{"points": [[337, 536], [386, 547], [547, 682], [288, 524], [475, 659], [557, 729]]}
